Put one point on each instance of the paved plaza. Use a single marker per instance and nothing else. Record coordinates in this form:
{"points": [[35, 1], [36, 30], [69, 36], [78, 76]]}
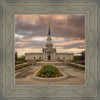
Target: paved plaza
{"points": [[25, 76]]}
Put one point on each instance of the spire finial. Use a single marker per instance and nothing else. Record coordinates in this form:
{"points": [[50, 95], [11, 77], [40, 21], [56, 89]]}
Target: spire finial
{"points": [[49, 29], [49, 24]]}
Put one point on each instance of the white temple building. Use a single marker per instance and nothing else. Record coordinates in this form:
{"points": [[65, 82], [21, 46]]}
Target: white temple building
{"points": [[49, 53]]}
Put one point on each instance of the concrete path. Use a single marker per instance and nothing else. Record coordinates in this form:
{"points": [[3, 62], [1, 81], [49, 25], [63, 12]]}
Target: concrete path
{"points": [[75, 77]]}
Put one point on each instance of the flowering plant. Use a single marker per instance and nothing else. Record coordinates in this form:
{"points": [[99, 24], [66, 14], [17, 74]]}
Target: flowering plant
{"points": [[48, 71], [83, 62]]}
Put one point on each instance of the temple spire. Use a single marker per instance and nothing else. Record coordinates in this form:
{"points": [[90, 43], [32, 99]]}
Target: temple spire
{"points": [[49, 29]]}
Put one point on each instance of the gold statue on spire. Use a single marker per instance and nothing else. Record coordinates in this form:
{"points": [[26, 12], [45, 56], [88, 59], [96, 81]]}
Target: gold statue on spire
{"points": [[49, 24]]}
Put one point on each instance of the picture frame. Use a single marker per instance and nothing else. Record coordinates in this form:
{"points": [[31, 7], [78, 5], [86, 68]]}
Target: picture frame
{"points": [[90, 90]]}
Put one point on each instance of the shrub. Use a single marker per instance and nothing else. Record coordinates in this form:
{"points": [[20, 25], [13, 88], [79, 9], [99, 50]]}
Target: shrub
{"points": [[78, 58], [83, 62], [20, 61], [80, 68], [22, 66]]}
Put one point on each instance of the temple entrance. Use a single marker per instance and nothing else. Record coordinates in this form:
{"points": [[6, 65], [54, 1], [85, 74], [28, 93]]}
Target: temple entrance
{"points": [[49, 57]]}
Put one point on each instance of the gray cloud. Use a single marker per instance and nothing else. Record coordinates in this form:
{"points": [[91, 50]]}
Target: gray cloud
{"points": [[72, 26], [78, 45]]}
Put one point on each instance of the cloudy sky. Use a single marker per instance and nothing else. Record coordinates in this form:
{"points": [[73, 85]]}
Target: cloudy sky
{"points": [[68, 32]]}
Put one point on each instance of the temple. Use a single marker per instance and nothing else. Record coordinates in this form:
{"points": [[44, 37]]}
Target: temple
{"points": [[49, 52]]}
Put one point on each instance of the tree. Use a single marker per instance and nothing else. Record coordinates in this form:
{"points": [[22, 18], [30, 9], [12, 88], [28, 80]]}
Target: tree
{"points": [[16, 56], [83, 55]]}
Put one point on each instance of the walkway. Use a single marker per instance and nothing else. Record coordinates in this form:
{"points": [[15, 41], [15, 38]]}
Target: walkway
{"points": [[24, 76]]}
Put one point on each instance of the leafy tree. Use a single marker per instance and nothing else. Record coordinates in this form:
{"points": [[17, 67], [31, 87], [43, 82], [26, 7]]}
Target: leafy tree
{"points": [[83, 55]]}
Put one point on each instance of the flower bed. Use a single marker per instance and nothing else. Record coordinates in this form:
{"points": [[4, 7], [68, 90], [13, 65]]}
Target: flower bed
{"points": [[49, 71]]}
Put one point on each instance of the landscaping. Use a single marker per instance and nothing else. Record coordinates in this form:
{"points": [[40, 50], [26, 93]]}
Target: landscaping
{"points": [[49, 71], [79, 60], [20, 61], [22, 66], [78, 67]]}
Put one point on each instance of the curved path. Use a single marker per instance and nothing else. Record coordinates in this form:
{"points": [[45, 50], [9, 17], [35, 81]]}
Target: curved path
{"points": [[24, 76]]}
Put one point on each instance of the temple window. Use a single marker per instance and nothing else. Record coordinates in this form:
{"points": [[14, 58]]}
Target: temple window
{"points": [[63, 57]]}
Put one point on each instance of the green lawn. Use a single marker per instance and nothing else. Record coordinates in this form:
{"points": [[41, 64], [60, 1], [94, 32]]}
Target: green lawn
{"points": [[48, 71], [22, 66], [20, 60], [80, 68]]}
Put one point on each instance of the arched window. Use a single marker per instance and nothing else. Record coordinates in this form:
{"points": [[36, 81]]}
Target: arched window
{"points": [[63, 57]]}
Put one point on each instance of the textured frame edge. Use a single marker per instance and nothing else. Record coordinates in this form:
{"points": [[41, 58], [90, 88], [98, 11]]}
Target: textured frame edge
{"points": [[97, 52]]}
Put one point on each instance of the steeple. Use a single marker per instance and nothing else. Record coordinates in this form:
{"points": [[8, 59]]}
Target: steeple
{"points": [[49, 40], [49, 29]]}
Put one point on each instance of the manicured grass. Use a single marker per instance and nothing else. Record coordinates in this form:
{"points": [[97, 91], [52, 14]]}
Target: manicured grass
{"points": [[20, 61], [22, 66], [48, 71], [80, 68]]}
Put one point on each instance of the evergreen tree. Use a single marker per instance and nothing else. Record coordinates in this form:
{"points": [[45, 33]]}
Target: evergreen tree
{"points": [[16, 56]]}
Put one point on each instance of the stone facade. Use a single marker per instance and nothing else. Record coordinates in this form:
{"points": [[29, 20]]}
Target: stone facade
{"points": [[49, 53]]}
